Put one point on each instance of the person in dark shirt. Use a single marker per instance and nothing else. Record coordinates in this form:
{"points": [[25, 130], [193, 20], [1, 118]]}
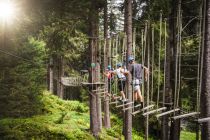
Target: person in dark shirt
{"points": [[136, 71]]}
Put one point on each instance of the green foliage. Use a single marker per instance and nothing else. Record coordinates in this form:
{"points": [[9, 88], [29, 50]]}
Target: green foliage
{"points": [[24, 81], [60, 120]]}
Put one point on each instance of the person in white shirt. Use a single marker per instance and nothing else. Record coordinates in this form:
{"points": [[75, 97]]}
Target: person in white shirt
{"points": [[120, 72]]}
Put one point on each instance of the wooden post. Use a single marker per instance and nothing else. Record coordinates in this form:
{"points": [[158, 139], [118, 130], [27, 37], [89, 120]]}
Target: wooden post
{"points": [[93, 43], [128, 30], [98, 98], [107, 123]]}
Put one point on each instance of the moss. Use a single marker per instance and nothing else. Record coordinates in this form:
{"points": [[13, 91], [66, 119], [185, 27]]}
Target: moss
{"points": [[61, 120]]}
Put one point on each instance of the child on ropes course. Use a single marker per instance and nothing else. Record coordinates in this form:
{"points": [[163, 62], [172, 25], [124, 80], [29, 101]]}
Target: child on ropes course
{"points": [[108, 73], [120, 72], [136, 71]]}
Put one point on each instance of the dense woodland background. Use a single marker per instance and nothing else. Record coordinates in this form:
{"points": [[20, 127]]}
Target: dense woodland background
{"points": [[53, 35]]}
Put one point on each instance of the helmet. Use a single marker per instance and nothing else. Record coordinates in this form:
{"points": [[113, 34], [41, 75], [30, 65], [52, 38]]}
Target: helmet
{"points": [[130, 58], [119, 65], [109, 67]]}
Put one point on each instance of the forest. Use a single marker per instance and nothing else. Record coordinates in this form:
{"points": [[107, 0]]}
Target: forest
{"points": [[104, 69]]}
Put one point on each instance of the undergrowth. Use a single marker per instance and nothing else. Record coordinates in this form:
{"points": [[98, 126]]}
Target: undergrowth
{"points": [[61, 120]]}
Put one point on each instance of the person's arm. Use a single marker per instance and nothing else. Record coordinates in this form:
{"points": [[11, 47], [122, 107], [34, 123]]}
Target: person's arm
{"points": [[113, 72], [125, 71], [106, 74], [146, 71]]}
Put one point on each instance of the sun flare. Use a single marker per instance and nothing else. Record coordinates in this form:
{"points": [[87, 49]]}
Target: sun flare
{"points": [[7, 9]]}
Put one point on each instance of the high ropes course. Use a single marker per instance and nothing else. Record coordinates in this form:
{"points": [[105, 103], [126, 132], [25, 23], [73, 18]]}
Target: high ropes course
{"points": [[153, 55]]}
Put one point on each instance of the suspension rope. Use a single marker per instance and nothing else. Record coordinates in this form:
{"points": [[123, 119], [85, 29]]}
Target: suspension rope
{"points": [[180, 52], [164, 83], [104, 59], [202, 49], [152, 71], [177, 59], [134, 56], [160, 44], [142, 59], [199, 59], [148, 80], [144, 49], [123, 49]]}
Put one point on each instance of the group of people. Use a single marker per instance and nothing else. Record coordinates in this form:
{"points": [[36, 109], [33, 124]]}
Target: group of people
{"points": [[136, 70]]}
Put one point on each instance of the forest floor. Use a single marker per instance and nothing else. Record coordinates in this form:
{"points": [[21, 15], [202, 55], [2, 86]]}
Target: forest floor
{"points": [[62, 120]]}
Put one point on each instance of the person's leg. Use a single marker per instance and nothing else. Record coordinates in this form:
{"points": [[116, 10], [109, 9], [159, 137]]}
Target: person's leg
{"points": [[139, 96], [122, 90], [120, 86], [135, 97], [122, 95], [135, 93]]}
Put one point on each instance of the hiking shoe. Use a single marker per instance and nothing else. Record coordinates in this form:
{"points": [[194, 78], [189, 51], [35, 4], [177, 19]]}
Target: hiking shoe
{"points": [[124, 100]]}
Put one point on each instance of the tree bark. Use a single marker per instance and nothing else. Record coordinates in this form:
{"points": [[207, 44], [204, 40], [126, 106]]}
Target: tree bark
{"points": [[51, 86], [93, 44], [205, 88], [128, 30], [168, 91], [61, 75], [107, 123], [58, 75], [98, 98], [175, 125]]}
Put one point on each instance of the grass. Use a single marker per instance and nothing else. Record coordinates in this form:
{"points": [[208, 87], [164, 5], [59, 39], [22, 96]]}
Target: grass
{"points": [[185, 135], [61, 120]]}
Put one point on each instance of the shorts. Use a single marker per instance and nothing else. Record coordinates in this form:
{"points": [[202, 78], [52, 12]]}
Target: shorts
{"points": [[121, 85], [136, 84], [110, 82]]}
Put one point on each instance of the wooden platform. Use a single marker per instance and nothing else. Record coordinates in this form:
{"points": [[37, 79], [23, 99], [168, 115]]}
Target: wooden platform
{"points": [[84, 71], [92, 84]]}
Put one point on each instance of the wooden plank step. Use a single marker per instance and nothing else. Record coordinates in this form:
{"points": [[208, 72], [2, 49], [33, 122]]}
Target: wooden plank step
{"points": [[167, 112], [122, 105], [143, 109], [131, 107], [154, 111], [203, 120], [185, 115]]}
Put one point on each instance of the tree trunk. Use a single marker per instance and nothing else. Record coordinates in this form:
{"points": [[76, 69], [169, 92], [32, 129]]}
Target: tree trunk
{"points": [[93, 44], [107, 123], [168, 95], [98, 98], [61, 69], [51, 86], [205, 88], [58, 74], [175, 125], [128, 30]]}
